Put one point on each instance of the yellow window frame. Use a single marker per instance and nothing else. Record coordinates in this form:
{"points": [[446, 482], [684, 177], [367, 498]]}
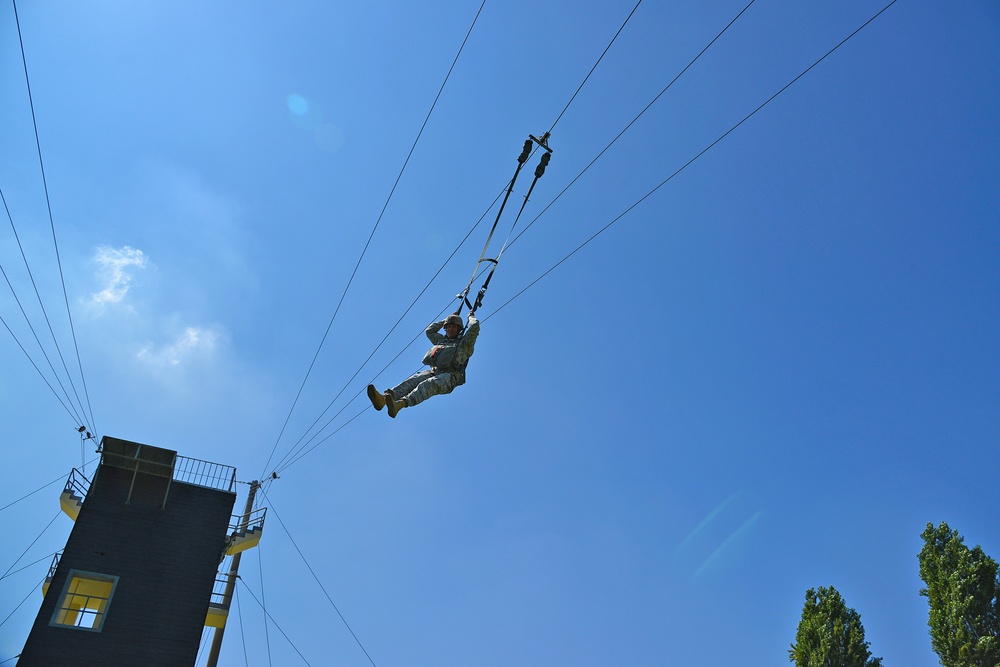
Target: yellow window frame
{"points": [[84, 602]]}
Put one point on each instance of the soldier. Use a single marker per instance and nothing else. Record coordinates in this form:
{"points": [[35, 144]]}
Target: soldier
{"points": [[447, 360]]}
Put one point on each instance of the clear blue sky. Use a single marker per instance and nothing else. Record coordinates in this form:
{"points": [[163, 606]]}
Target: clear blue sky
{"points": [[768, 376]]}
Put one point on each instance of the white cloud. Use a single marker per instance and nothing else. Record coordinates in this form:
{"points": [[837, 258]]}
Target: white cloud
{"points": [[113, 271], [194, 343]]}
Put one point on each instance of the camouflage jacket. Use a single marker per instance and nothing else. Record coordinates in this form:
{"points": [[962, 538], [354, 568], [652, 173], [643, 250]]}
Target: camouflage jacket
{"points": [[451, 354]]}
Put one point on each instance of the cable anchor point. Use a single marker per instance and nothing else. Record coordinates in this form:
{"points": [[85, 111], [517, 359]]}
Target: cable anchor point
{"points": [[542, 141]]}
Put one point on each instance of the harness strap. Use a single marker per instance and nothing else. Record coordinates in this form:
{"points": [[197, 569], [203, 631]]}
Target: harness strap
{"points": [[539, 171], [521, 159]]}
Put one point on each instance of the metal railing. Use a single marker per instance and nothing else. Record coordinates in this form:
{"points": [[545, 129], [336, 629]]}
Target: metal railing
{"points": [[246, 523], [205, 473], [52, 568], [219, 598], [77, 484]]}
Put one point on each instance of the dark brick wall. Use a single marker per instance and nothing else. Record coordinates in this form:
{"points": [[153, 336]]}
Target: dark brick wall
{"points": [[166, 561]]}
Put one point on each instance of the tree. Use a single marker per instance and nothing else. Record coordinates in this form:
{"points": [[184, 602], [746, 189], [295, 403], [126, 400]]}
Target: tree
{"points": [[830, 634], [962, 591]]}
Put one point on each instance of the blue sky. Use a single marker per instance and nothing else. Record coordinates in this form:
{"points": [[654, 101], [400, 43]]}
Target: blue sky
{"points": [[767, 376]]}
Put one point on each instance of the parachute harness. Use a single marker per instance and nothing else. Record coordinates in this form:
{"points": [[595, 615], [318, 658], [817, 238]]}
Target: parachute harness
{"points": [[539, 170]]}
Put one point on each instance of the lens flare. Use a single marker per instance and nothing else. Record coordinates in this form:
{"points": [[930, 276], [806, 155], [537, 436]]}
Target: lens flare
{"points": [[298, 105], [716, 543]]}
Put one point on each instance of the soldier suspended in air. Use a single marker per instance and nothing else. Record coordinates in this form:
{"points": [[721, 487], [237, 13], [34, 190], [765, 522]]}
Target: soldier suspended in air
{"points": [[447, 360], [450, 354]]}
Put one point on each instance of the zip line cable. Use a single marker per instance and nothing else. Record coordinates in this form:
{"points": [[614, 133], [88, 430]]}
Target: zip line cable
{"points": [[538, 173], [320, 583], [9, 569], [263, 601], [302, 451], [32, 544], [648, 194], [372, 234], [268, 614], [40, 373], [10, 285], [30, 593], [463, 296], [298, 444], [606, 49], [201, 644], [295, 454], [55, 243], [522, 158], [294, 457], [41, 488], [243, 637], [25, 567], [698, 155], [542, 167], [633, 121]]}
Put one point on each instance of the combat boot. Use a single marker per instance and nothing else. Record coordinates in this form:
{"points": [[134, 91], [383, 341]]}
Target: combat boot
{"points": [[393, 406], [377, 399]]}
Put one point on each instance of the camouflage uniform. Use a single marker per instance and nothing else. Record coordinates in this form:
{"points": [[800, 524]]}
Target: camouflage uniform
{"points": [[440, 379]]}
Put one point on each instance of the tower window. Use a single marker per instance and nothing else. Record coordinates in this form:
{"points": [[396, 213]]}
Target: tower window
{"points": [[84, 601]]}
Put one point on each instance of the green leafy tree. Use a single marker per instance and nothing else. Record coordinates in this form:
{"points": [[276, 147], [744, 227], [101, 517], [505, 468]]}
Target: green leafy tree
{"points": [[962, 591], [830, 634]]}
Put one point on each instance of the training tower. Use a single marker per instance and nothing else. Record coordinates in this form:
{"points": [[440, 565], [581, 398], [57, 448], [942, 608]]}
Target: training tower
{"points": [[138, 579]]}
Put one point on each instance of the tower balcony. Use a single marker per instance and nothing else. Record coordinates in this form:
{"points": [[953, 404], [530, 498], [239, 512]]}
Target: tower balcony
{"points": [[51, 573], [246, 532], [73, 493], [218, 607]]}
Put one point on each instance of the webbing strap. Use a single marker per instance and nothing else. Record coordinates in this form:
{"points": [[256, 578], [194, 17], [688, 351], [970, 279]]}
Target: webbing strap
{"points": [[539, 170], [521, 159]]}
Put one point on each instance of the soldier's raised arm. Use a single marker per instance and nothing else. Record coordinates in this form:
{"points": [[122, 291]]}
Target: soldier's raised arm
{"points": [[433, 332]]}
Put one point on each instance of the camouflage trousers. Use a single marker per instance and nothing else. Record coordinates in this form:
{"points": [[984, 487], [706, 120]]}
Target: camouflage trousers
{"points": [[426, 383]]}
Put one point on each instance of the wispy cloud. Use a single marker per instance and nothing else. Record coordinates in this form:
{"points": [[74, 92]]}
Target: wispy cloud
{"points": [[194, 343], [114, 266]]}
